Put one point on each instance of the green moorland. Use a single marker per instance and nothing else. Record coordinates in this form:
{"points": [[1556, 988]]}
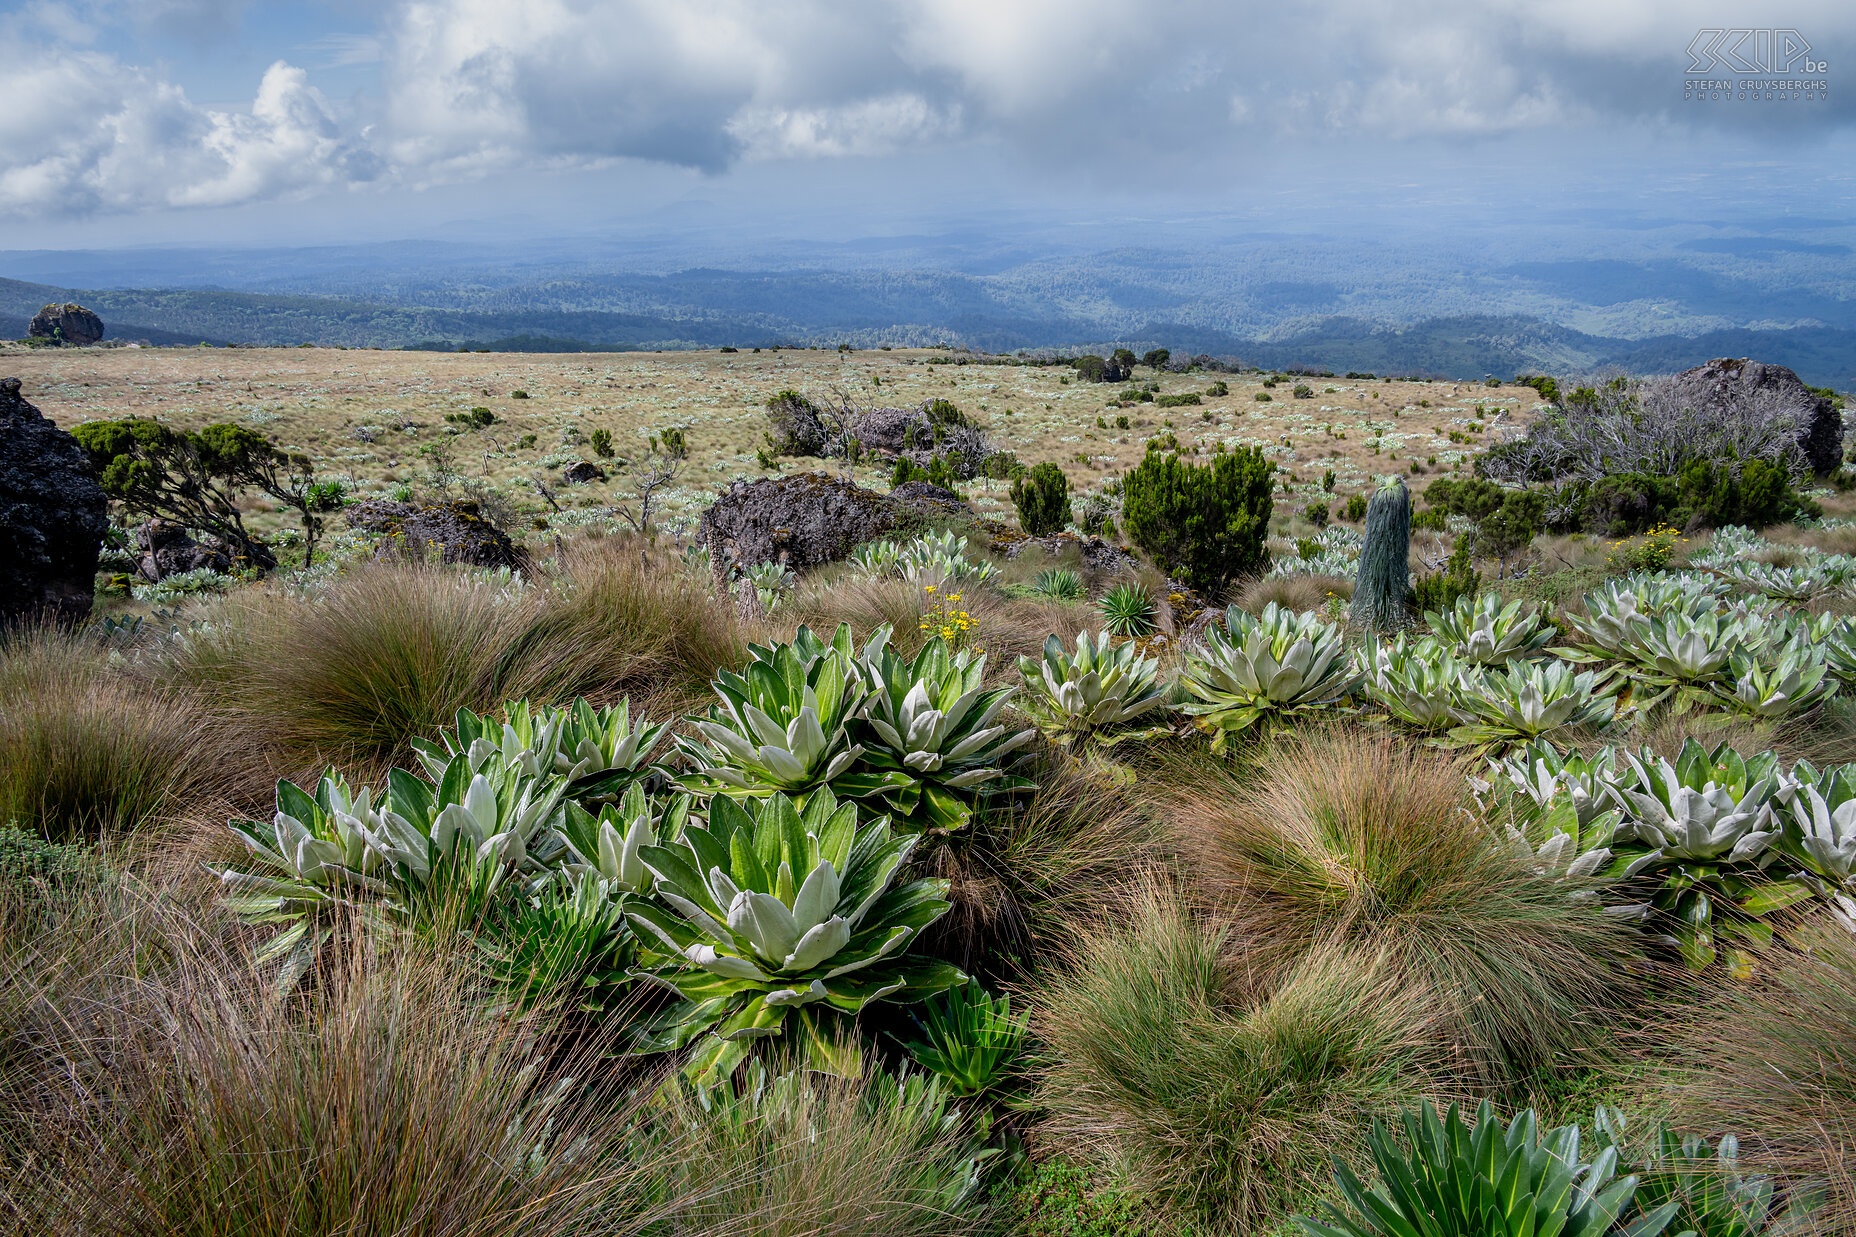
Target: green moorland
{"points": [[940, 890]]}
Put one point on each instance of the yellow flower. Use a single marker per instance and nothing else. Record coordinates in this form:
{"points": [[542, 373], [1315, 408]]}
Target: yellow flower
{"points": [[927, 588]]}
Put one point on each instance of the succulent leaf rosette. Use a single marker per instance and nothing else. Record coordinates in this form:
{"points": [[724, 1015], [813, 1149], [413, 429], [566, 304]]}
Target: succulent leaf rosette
{"points": [[1795, 680], [1416, 682], [783, 726], [597, 752], [768, 911], [606, 847], [1799, 585], [1272, 665], [1098, 686], [1708, 846], [415, 851], [1480, 631], [1525, 700], [931, 730]]}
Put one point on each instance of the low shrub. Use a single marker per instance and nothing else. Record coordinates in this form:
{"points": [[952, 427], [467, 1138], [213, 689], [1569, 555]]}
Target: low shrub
{"points": [[1205, 523], [1042, 500]]}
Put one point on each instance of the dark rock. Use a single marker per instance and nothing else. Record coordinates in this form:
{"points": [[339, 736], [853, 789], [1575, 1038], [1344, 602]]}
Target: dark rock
{"points": [[1726, 382], [929, 500], [164, 549], [67, 323], [887, 430], [53, 515], [801, 521], [580, 472], [1097, 554], [455, 531]]}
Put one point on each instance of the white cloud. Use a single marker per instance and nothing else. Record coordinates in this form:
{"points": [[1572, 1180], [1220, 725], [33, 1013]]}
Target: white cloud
{"points": [[472, 88], [82, 133]]}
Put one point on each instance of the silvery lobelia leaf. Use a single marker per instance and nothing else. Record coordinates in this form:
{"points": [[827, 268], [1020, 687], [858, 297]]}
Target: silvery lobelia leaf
{"points": [[820, 942], [726, 965], [399, 841], [817, 898], [1826, 836], [766, 923]]}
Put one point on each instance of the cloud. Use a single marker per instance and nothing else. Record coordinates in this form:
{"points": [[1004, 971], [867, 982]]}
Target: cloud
{"points": [[81, 133], [472, 88]]}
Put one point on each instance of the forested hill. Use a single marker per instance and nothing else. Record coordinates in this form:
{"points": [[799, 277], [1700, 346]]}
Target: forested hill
{"points": [[928, 311]]}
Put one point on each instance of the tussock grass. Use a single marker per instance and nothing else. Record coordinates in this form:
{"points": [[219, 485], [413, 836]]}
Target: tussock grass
{"points": [[1348, 834], [623, 618], [391, 651], [1223, 1099], [168, 1091], [1291, 592], [834, 1157], [152, 1083], [1022, 877], [87, 752], [385, 654], [1773, 1061]]}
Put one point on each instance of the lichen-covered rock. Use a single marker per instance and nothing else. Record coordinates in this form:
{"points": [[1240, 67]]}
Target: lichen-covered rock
{"points": [[929, 500], [888, 430], [1097, 554], [455, 532], [67, 323], [53, 515], [1725, 382], [801, 521], [162, 549]]}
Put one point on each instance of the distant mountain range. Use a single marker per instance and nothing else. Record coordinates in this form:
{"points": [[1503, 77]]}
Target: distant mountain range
{"points": [[708, 309]]}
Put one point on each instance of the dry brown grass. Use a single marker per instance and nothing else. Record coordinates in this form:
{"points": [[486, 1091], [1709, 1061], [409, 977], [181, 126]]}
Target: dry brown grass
{"points": [[385, 654], [168, 1091], [1291, 592], [153, 1083], [623, 618], [1773, 1061], [390, 652], [1225, 1100], [1022, 877], [86, 751], [1361, 836], [320, 400]]}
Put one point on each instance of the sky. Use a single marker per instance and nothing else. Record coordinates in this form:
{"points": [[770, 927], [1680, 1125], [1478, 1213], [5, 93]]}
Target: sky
{"points": [[269, 122]]}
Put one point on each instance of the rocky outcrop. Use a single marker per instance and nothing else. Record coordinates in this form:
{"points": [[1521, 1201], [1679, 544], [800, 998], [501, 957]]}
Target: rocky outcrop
{"points": [[1097, 554], [67, 323], [53, 515], [893, 430], [163, 549], [1727, 383], [801, 521], [455, 532], [929, 500]]}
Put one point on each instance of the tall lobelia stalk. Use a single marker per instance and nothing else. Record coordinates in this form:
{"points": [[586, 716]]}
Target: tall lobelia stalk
{"points": [[1379, 591]]}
